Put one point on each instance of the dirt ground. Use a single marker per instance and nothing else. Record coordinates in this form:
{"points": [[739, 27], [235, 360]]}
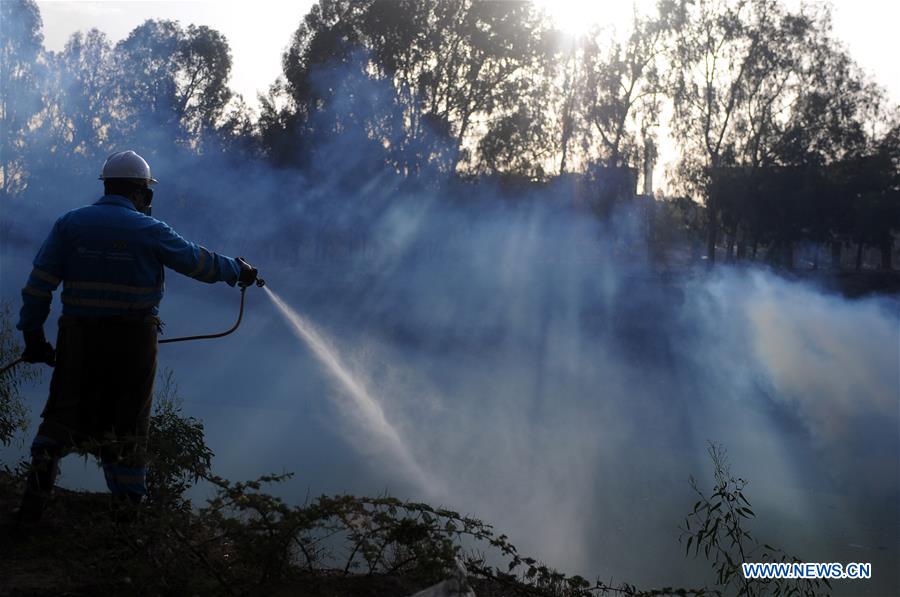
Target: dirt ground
{"points": [[78, 550]]}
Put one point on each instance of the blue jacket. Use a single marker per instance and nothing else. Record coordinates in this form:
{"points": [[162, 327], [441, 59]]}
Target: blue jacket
{"points": [[110, 258]]}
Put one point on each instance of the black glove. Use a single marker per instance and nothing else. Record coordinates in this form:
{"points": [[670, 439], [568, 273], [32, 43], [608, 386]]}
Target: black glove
{"points": [[248, 273], [37, 349]]}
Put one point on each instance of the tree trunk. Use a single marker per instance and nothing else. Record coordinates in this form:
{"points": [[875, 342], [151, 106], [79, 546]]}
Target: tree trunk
{"points": [[567, 121], [859, 256], [729, 253], [887, 255], [711, 232], [566, 136], [836, 251]]}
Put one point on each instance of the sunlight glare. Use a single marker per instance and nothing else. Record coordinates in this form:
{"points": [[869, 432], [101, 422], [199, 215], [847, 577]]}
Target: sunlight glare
{"points": [[576, 17]]}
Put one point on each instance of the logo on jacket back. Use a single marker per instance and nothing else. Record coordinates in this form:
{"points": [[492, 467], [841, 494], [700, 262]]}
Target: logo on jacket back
{"points": [[118, 252]]}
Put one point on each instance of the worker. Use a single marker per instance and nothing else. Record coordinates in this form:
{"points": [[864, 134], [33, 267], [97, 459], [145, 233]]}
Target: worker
{"points": [[109, 256]]}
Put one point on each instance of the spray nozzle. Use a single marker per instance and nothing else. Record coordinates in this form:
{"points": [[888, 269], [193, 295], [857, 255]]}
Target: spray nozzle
{"points": [[248, 274]]}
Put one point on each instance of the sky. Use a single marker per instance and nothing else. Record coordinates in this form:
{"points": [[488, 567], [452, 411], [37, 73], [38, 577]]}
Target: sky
{"points": [[259, 32]]}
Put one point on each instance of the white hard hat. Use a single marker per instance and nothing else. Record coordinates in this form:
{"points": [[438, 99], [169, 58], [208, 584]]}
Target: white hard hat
{"points": [[127, 164]]}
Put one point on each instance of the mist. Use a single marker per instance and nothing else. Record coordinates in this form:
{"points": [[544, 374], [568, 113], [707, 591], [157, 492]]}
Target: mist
{"points": [[532, 371]]}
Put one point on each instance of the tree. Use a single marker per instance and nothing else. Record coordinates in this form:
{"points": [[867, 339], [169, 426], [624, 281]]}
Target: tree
{"points": [[173, 79], [839, 133], [734, 70], [622, 83], [876, 199], [828, 122], [456, 62], [327, 36], [451, 63], [82, 120], [203, 64], [518, 144], [145, 76], [485, 54], [22, 69], [570, 61]]}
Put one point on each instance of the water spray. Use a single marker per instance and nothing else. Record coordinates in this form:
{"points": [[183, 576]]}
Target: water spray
{"points": [[367, 408], [364, 406]]}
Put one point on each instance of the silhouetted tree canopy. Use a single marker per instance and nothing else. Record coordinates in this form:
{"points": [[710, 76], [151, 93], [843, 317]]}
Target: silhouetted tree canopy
{"points": [[780, 136], [22, 68]]}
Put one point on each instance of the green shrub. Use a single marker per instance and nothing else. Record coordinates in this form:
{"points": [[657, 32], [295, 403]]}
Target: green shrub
{"points": [[717, 527], [13, 413], [247, 541], [178, 454]]}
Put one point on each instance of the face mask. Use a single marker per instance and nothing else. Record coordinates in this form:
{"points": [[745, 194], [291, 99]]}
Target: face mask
{"points": [[148, 199]]}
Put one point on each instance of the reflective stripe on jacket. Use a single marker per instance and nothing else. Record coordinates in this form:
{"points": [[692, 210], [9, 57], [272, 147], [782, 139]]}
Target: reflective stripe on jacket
{"points": [[110, 258]]}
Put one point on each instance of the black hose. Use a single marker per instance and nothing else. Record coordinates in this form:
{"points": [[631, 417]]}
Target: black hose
{"points": [[259, 283], [211, 336]]}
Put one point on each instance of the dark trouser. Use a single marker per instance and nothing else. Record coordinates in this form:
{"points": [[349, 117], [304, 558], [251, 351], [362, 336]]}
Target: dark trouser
{"points": [[100, 399]]}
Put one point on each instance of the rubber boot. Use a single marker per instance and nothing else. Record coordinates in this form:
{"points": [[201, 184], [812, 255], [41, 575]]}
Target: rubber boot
{"points": [[38, 487], [125, 508]]}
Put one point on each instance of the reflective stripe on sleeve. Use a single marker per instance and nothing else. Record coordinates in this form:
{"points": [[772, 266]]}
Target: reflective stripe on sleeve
{"points": [[46, 277], [201, 263], [46, 294], [211, 275]]}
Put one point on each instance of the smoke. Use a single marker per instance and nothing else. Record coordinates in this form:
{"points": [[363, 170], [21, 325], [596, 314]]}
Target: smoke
{"points": [[511, 354]]}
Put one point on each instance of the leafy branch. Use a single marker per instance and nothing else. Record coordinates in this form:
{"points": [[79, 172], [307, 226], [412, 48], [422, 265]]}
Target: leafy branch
{"points": [[717, 526]]}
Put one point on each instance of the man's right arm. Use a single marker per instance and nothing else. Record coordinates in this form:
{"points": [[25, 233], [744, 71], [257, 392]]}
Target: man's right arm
{"points": [[42, 281]]}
